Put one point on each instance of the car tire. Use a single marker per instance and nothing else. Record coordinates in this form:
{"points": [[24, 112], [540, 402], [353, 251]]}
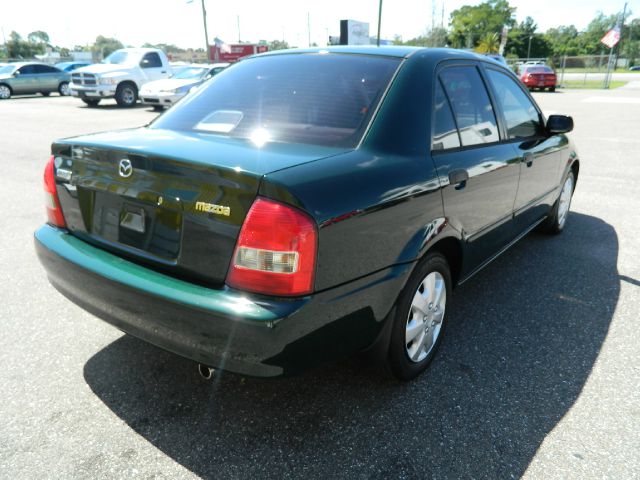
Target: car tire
{"points": [[420, 318], [552, 89], [63, 89], [45, 94], [126, 95], [158, 108], [91, 102], [557, 219], [5, 92]]}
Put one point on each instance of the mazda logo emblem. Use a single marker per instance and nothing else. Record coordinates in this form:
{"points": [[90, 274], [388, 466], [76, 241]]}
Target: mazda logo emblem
{"points": [[125, 169]]}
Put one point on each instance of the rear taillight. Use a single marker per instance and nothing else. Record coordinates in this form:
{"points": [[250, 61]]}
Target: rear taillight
{"points": [[276, 251], [52, 202]]}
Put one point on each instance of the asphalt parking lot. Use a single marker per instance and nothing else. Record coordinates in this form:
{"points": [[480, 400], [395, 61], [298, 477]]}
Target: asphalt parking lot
{"points": [[539, 375]]}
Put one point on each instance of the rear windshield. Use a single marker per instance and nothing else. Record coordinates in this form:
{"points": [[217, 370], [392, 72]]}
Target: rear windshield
{"points": [[539, 70], [320, 99]]}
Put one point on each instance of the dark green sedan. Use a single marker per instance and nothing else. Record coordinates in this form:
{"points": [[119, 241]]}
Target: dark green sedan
{"points": [[304, 205], [29, 77]]}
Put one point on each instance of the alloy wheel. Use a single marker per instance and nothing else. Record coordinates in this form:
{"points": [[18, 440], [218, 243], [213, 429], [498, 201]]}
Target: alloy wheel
{"points": [[424, 321]]}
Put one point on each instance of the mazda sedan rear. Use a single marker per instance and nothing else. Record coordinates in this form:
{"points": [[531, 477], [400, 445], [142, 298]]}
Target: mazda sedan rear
{"points": [[304, 205]]}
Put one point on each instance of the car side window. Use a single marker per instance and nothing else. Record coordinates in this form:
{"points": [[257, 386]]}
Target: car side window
{"points": [[27, 70], [521, 116], [151, 60], [44, 69], [471, 105], [445, 133]]}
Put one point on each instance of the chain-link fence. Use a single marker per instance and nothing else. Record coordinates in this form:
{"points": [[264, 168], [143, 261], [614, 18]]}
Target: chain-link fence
{"points": [[585, 71]]}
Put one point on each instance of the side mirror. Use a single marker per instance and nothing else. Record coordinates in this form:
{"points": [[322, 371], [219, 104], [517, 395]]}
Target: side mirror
{"points": [[16, 73], [144, 63], [559, 124]]}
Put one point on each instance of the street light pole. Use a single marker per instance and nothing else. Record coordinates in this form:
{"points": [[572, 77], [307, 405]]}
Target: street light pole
{"points": [[206, 33], [529, 49], [379, 22]]}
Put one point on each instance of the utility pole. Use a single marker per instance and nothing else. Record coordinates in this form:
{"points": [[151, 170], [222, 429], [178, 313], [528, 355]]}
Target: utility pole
{"points": [[309, 27], [529, 48], [206, 33], [238, 18], [379, 22]]}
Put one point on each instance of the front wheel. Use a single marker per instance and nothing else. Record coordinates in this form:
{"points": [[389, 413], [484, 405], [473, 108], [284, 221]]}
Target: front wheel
{"points": [[5, 92], [421, 317], [63, 89], [552, 89], [557, 219], [126, 95]]}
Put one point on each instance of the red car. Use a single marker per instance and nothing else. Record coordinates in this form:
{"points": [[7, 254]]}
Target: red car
{"points": [[538, 76]]}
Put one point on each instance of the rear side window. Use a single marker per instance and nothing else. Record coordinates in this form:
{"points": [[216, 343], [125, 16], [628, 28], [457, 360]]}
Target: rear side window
{"points": [[471, 105], [521, 116], [320, 99], [151, 60], [445, 133]]}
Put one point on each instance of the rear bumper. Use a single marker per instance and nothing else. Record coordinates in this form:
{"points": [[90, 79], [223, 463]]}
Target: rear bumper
{"points": [[223, 328]]}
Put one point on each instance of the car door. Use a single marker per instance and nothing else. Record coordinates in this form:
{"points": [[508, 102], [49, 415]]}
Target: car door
{"points": [[540, 154], [152, 66], [24, 80], [478, 171], [46, 78]]}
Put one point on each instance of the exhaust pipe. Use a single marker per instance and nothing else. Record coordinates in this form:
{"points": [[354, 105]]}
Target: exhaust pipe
{"points": [[206, 371]]}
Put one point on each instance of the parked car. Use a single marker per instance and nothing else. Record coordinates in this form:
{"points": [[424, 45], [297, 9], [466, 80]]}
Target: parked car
{"points": [[294, 209], [120, 76], [164, 93], [30, 77], [538, 76], [71, 66], [635, 68]]}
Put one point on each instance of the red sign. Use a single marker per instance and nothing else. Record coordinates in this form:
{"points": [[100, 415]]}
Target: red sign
{"points": [[232, 53]]}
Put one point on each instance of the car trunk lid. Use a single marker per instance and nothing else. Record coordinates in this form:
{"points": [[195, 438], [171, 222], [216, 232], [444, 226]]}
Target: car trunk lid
{"points": [[172, 200]]}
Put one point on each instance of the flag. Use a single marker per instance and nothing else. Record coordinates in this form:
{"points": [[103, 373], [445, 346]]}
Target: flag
{"points": [[612, 37]]}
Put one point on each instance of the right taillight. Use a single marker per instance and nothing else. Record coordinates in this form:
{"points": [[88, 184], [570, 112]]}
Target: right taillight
{"points": [[276, 251], [52, 202]]}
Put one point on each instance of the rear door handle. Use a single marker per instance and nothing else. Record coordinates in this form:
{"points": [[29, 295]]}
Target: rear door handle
{"points": [[527, 158], [458, 178]]}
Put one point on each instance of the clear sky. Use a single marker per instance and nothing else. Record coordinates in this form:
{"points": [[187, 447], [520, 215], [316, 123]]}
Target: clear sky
{"points": [[135, 22]]}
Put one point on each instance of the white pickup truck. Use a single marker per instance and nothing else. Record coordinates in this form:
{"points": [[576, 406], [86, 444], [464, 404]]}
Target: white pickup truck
{"points": [[120, 76]]}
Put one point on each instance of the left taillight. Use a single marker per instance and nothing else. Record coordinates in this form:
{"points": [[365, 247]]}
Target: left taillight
{"points": [[52, 202]]}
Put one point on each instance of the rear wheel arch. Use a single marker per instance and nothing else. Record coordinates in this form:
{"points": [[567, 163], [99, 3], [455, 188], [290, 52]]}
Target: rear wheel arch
{"points": [[451, 249]]}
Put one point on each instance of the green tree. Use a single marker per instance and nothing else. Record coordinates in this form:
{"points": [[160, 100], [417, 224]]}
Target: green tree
{"points": [[278, 45], [17, 48], [38, 37], [523, 41], [104, 46], [489, 43], [470, 23], [564, 40]]}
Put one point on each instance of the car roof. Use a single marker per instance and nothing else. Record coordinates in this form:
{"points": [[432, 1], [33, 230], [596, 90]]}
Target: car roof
{"points": [[397, 51], [22, 64]]}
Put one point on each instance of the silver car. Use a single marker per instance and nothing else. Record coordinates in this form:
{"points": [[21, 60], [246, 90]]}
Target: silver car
{"points": [[30, 77], [164, 93]]}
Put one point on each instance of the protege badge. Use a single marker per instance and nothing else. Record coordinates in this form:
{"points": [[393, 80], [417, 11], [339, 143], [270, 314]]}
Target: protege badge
{"points": [[211, 208]]}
